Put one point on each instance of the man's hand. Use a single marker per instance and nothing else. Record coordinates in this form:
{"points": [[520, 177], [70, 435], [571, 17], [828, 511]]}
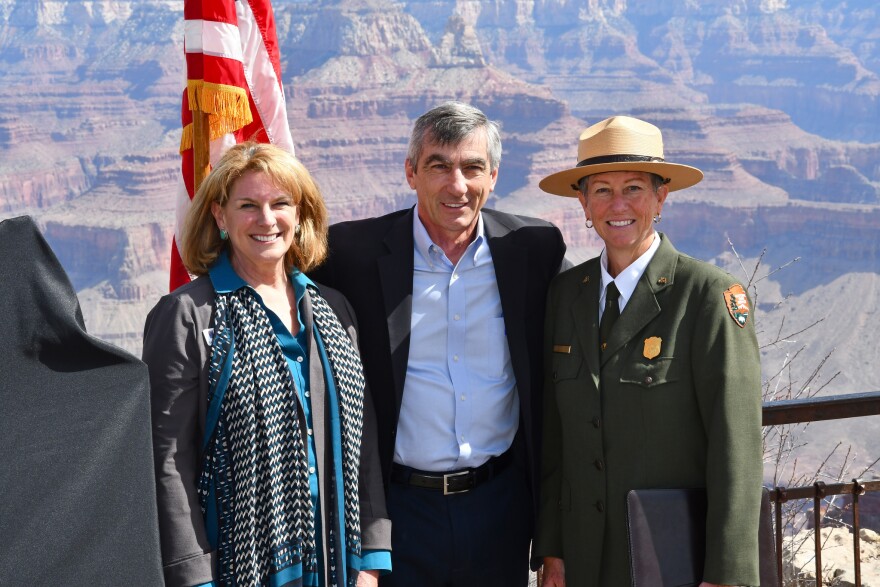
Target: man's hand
{"points": [[554, 572], [368, 579]]}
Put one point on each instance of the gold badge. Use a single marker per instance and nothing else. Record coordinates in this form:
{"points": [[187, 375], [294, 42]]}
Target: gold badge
{"points": [[562, 348], [737, 303], [652, 347]]}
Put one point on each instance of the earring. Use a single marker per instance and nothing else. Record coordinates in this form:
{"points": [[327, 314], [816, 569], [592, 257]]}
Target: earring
{"points": [[657, 218], [588, 223], [223, 235]]}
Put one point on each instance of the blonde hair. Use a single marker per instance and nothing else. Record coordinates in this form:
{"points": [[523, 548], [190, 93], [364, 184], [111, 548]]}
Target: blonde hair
{"points": [[200, 242]]}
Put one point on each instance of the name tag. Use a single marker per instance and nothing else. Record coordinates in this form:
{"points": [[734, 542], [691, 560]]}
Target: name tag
{"points": [[562, 348]]}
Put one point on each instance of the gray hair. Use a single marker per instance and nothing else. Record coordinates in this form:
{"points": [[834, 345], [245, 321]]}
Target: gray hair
{"points": [[449, 124]]}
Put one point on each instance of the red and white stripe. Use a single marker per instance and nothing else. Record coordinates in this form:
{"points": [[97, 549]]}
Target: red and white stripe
{"points": [[230, 43]]}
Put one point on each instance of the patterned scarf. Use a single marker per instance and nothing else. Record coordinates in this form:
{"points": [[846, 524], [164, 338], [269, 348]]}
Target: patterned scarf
{"points": [[256, 458]]}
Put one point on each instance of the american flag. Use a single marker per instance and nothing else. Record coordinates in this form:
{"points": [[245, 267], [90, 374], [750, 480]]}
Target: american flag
{"points": [[233, 72]]}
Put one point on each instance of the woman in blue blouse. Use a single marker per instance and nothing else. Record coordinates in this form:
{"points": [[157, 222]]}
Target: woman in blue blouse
{"points": [[263, 432]]}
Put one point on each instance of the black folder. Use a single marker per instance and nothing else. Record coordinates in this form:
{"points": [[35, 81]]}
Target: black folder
{"points": [[667, 538]]}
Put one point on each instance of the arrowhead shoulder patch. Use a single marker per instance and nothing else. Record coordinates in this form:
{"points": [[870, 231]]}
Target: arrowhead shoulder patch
{"points": [[737, 303]]}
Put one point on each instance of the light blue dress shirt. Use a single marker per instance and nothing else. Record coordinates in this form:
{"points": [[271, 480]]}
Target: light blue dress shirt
{"points": [[460, 404]]}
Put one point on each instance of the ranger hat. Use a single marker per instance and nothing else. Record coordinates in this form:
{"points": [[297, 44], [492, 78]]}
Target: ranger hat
{"points": [[620, 143]]}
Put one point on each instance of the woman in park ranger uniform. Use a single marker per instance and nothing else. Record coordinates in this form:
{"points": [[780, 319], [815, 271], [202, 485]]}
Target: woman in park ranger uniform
{"points": [[653, 375]]}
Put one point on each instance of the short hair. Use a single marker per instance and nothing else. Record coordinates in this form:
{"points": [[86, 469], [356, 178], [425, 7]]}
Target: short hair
{"points": [[449, 124], [200, 242], [656, 182]]}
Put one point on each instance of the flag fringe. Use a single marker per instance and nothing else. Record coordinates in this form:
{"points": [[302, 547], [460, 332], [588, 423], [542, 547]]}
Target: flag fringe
{"points": [[227, 106], [186, 138]]}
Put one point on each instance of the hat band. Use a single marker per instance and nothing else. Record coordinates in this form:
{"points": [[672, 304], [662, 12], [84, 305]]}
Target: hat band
{"points": [[620, 159]]}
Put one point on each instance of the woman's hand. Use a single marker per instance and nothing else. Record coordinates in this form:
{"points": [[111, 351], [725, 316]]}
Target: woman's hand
{"points": [[554, 572], [368, 579]]}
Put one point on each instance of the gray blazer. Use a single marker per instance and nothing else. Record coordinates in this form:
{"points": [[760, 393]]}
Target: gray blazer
{"points": [[177, 351]]}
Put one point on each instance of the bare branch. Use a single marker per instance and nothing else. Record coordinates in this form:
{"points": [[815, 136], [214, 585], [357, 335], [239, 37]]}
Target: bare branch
{"points": [[778, 269]]}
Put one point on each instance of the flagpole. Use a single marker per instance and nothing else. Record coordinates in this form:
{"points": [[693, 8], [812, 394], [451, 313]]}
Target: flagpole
{"points": [[201, 148]]}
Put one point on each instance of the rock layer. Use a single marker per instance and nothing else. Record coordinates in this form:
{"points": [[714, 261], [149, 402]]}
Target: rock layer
{"points": [[778, 104]]}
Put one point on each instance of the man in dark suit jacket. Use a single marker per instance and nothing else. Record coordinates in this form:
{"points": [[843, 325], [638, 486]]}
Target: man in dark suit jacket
{"points": [[450, 298]]}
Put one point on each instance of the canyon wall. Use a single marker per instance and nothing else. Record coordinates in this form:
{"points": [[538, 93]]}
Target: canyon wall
{"points": [[778, 104]]}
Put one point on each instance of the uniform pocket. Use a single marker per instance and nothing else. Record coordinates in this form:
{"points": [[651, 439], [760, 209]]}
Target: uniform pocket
{"points": [[650, 373], [566, 365], [565, 496]]}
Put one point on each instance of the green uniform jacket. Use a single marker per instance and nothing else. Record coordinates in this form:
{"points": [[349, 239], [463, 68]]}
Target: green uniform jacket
{"points": [[688, 417]]}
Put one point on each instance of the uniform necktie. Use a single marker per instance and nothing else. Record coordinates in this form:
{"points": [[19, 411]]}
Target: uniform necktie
{"points": [[610, 315]]}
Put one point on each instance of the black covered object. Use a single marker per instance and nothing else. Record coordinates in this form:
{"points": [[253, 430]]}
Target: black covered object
{"points": [[667, 538], [77, 493]]}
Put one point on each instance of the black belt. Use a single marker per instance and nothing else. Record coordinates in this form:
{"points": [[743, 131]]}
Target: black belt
{"points": [[453, 481]]}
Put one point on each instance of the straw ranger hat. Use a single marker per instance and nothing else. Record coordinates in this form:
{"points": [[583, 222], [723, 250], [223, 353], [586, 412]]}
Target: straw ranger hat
{"points": [[620, 143]]}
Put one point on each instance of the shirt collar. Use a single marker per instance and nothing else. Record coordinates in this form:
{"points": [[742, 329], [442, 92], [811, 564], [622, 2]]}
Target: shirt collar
{"points": [[627, 280], [223, 276], [433, 254], [226, 280]]}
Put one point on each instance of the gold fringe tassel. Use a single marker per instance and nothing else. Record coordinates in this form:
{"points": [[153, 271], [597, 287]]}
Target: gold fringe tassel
{"points": [[227, 107], [186, 138]]}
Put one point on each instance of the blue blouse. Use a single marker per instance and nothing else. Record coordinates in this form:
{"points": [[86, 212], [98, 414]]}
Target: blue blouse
{"points": [[225, 279]]}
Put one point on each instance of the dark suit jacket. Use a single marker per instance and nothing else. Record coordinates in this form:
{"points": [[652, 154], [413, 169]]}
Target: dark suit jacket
{"points": [[371, 262], [684, 411], [177, 353]]}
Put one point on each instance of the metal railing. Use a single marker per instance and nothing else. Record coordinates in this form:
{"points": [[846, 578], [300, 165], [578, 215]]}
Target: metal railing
{"points": [[814, 410]]}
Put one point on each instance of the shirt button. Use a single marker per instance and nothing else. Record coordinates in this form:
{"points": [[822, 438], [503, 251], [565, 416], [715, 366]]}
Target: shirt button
{"points": [[455, 358], [599, 464], [310, 431], [306, 394], [462, 437], [463, 397], [596, 422], [299, 359], [600, 506], [457, 317], [312, 470], [649, 380]]}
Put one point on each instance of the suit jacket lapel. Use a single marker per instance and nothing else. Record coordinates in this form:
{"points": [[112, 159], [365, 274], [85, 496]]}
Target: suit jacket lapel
{"points": [[395, 277], [643, 306], [511, 269], [585, 313]]}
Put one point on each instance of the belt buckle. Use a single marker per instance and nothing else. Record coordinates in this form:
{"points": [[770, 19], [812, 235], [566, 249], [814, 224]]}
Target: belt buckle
{"points": [[448, 476]]}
